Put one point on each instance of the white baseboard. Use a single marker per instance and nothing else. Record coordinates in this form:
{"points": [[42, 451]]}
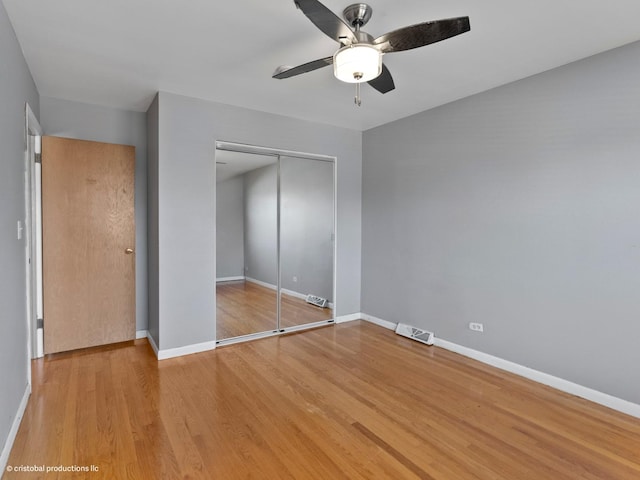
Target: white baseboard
{"points": [[180, 351], [293, 294], [186, 350], [261, 283], [299, 295], [378, 321], [561, 384], [230, 279], [152, 342], [286, 291], [141, 334], [8, 445], [349, 318]]}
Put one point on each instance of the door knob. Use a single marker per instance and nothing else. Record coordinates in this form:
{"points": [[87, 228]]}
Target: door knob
{"points": [[128, 251]]}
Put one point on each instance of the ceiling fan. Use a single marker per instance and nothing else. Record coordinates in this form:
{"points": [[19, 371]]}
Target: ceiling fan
{"points": [[359, 58]]}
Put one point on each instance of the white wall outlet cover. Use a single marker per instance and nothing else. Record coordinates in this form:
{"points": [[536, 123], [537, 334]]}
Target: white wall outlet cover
{"points": [[20, 229]]}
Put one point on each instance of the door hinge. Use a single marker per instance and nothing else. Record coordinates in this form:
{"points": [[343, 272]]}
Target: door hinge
{"points": [[40, 323], [38, 157]]}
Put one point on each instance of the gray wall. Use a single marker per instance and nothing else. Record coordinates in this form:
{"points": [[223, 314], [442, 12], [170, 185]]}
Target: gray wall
{"points": [[518, 208], [230, 231], [188, 131], [16, 88], [260, 224], [63, 118], [153, 135]]}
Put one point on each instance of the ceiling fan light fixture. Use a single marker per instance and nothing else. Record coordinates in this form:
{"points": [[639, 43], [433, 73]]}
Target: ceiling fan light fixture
{"points": [[357, 63]]}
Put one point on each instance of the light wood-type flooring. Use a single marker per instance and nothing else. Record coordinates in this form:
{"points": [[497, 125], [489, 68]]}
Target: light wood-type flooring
{"points": [[246, 307], [348, 401]]}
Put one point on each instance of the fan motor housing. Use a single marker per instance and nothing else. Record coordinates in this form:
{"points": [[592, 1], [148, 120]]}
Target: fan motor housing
{"points": [[363, 37], [357, 14]]}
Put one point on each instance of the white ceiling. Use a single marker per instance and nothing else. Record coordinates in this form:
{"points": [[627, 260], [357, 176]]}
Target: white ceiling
{"points": [[120, 52]]}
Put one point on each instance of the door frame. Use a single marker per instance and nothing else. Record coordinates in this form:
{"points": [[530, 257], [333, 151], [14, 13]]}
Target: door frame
{"points": [[33, 234], [276, 152], [92, 299]]}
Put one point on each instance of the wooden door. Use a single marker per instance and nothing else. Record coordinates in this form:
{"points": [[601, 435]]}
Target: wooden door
{"points": [[88, 229]]}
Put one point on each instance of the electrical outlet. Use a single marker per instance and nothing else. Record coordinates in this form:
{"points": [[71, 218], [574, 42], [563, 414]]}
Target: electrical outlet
{"points": [[476, 327], [295, 279]]}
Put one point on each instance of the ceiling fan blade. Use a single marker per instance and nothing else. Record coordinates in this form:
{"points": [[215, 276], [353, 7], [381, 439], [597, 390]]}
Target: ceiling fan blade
{"points": [[327, 21], [421, 34], [383, 82], [286, 72]]}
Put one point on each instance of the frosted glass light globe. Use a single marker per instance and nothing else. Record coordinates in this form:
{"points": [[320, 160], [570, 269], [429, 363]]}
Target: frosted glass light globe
{"points": [[357, 63]]}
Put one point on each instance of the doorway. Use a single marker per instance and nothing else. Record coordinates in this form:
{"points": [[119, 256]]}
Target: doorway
{"points": [[79, 246], [275, 241], [33, 233]]}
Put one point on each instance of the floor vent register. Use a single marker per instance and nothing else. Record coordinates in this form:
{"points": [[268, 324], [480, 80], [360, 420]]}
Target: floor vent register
{"points": [[415, 333]]}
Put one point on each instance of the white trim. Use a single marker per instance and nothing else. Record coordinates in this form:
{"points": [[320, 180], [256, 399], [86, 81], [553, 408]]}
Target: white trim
{"points": [[278, 242], [308, 326], [379, 321], [32, 128], [273, 333], [141, 334], [544, 378], [37, 184], [334, 291], [8, 445], [348, 318], [299, 295], [286, 291], [246, 148], [245, 338], [230, 279], [566, 386], [186, 350], [261, 283], [152, 342], [291, 293]]}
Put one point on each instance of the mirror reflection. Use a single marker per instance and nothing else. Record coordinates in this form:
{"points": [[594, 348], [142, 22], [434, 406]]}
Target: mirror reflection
{"points": [[246, 244], [274, 242], [306, 240]]}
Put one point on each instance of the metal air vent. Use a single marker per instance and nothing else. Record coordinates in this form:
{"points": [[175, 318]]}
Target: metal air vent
{"points": [[414, 333], [317, 301]]}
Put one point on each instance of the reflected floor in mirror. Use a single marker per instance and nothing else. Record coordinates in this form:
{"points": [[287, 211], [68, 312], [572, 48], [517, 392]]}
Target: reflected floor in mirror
{"points": [[246, 307]]}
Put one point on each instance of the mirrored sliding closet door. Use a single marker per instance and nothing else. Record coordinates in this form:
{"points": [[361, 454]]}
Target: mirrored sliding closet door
{"points": [[306, 241], [246, 244], [275, 242]]}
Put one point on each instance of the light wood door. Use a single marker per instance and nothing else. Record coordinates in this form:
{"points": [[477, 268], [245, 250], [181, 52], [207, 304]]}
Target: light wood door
{"points": [[88, 231]]}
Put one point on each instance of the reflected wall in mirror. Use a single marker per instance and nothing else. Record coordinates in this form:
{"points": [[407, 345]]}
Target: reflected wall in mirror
{"points": [[275, 242], [246, 244], [306, 239]]}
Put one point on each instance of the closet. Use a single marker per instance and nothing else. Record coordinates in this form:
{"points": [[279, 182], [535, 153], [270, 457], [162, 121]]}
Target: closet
{"points": [[275, 241]]}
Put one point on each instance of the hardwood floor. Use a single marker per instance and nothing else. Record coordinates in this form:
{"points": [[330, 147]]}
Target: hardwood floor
{"points": [[246, 307], [351, 401]]}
